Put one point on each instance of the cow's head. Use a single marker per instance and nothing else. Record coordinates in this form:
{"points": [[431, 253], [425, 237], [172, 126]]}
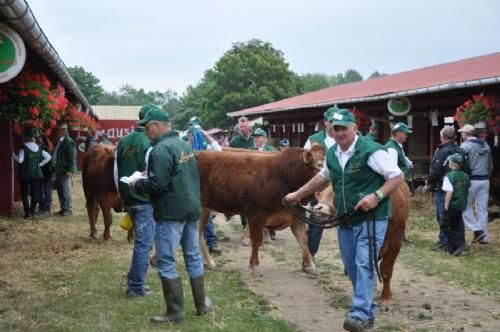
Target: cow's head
{"points": [[324, 207], [314, 158]]}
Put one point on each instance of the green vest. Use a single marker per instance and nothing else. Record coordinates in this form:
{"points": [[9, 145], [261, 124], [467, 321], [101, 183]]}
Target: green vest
{"points": [[130, 154], [460, 182], [356, 181], [30, 167], [173, 181], [319, 138], [371, 137], [241, 142], [403, 166], [266, 148]]}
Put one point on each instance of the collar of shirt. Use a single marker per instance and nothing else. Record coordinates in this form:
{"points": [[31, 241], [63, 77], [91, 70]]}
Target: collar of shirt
{"points": [[344, 157], [329, 142]]}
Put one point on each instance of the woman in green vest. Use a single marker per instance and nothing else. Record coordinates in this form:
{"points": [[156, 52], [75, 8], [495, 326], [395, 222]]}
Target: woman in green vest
{"points": [[31, 158], [363, 176]]}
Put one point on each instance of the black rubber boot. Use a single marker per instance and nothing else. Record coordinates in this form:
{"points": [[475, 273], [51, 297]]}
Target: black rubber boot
{"points": [[203, 304], [174, 298]]}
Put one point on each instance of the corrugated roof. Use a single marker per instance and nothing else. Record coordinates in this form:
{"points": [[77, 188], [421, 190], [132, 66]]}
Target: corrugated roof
{"points": [[107, 112], [475, 71]]}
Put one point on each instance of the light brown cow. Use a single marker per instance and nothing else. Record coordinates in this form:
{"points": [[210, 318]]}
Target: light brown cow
{"points": [[99, 187], [392, 243], [253, 184]]}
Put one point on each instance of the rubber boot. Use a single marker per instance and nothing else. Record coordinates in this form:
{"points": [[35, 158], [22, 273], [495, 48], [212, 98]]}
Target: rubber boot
{"points": [[174, 299], [201, 302]]}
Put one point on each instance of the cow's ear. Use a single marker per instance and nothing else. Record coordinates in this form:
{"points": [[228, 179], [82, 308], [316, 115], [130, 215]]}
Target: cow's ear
{"points": [[307, 156]]}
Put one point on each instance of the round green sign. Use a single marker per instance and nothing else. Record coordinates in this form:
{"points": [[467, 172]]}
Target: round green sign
{"points": [[12, 53], [399, 106]]}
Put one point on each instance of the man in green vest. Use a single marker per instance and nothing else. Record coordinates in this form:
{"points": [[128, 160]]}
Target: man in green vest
{"points": [[31, 158], [363, 176], [243, 140], [260, 141], [373, 133], [173, 185], [394, 145], [64, 162], [130, 157]]}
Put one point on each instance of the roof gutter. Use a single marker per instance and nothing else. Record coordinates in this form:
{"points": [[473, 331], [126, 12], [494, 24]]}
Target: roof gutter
{"points": [[405, 93], [19, 15]]}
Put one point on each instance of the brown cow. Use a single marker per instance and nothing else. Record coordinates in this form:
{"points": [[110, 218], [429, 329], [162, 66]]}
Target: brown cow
{"points": [[99, 187], [392, 243], [253, 184]]}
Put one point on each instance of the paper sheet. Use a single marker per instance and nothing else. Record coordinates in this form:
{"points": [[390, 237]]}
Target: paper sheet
{"points": [[134, 177]]}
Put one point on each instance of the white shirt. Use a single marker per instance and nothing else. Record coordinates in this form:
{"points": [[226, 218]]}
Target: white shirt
{"points": [[32, 146], [380, 162], [394, 155], [214, 146], [447, 186], [329, 142]]}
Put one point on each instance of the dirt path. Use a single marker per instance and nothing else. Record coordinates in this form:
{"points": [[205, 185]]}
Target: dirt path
{"points": [[421, 303]]}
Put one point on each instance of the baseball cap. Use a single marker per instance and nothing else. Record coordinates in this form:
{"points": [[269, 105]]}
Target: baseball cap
{"points": [[400, 126], [259, 132], [468, 128], [342, 117], [155, 114], [456, 158]]}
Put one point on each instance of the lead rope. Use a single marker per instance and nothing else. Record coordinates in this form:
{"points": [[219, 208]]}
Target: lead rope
{"points": [[372, 246]]}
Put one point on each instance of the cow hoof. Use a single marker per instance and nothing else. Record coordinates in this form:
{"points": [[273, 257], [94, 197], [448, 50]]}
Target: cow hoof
{"points": [[311, 270], [210, 265], [385, 304], [93, 237], [256, 272], [245, 241]]}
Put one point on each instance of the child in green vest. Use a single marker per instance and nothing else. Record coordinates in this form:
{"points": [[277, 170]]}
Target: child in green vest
{"points": [[456, 185]]}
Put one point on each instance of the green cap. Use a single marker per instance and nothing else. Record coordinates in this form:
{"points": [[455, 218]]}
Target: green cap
{"points": [[456, 158], [195, 121], [32, 132], [191, 129], [329, 112], [145, 109], [400, 126], [342, 117], [259, 132], [155, 114]]}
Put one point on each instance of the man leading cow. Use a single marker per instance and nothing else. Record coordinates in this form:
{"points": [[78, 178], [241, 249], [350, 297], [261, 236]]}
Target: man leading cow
{"points": [[363, 176]]}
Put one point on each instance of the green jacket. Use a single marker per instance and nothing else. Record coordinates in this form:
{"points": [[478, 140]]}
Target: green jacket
{"points": [[403, 166], [319, 138], [241, 142], [460, 182], [371, 137], [65, 157], [266, 148], [30, 168], [130, 154], [356, 180], [173, 181]]}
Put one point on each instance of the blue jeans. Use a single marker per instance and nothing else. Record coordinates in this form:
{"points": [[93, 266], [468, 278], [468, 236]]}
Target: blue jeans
{"points": [[353, 244], [209, 234], [144, 229], [46, 203], [169, 234]]}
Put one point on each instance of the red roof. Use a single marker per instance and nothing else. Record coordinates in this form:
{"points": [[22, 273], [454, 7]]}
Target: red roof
{"points": [[475, 71]]}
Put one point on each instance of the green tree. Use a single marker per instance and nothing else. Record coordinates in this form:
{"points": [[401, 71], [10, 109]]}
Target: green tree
{"points": [[313, 81], [247, 75], [376, 74], [350, 75], [87, 82]]}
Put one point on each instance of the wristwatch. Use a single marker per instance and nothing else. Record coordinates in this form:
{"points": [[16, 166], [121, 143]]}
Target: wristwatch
{"points": [[380, 195]]}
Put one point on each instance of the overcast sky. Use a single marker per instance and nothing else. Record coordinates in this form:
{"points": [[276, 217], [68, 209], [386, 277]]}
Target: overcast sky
{"points": [[160, 45]]}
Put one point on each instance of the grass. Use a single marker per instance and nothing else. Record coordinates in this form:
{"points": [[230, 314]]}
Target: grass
{"points": [[54, 278], [476, 270]]}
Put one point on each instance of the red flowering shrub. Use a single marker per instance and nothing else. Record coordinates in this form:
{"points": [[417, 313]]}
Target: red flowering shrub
{"points": [[479, 108]]}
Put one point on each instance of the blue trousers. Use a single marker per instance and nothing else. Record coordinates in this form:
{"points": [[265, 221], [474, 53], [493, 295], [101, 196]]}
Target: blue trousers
{"points": [[354, 250], [46, 203], [209, 234], [169, 234], [314, 235], [144, 229]]}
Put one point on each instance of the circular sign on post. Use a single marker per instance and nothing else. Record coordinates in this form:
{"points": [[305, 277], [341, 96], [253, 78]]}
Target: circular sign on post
{"points": [[399, 106], [12, 53]]}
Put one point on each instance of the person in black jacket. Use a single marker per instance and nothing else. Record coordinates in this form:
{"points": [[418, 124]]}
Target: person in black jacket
{"points": [[439, 168], [48, 171]]}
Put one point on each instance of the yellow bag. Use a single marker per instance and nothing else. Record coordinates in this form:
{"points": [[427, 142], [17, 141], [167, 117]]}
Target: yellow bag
{"points": [[126, 222]]}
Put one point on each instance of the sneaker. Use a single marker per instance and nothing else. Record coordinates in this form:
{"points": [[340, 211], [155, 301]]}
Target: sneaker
{"points": [[356, 324], [478, 236], [483, 241], [440, 247], [460, 250], [214, 250], [66, 214], [133, 293]]}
